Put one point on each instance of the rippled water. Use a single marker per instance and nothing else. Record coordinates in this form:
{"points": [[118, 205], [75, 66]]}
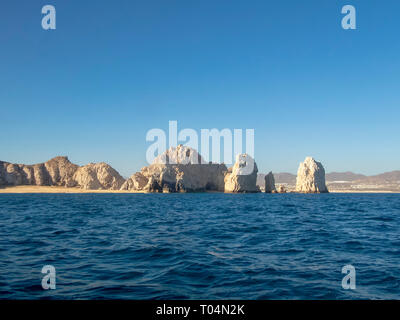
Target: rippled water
{"points": [[200, 246]]}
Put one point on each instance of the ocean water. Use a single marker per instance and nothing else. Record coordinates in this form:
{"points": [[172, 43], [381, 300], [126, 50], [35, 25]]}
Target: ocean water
{"points": [[200, 246]]}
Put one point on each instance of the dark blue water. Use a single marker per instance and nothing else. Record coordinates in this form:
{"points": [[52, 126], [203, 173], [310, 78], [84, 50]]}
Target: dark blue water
{"points": [[200, 246]]}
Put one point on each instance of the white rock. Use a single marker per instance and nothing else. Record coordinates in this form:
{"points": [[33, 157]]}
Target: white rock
{"points": [[242, 177], [311, 177], [179, 155], [281, 189]]}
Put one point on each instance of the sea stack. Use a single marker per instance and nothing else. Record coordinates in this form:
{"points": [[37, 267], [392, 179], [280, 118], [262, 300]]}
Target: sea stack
{"points": [[270, 183], [311, 177], [242, 177]]}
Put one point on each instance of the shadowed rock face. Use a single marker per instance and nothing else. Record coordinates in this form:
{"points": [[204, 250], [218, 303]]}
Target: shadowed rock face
{"points": [[59, 171], [270, 183], [55, 172], [179, 169], [242, 177], [311, 177]]}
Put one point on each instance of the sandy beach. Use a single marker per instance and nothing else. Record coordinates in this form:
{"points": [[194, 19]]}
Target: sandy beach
{"points": [[53, 189]]}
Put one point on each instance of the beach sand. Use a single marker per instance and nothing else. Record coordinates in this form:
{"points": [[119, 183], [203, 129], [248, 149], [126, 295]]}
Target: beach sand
{"points": [[53, 189]]}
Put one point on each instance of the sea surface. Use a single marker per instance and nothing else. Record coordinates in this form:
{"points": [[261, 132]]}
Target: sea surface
{"points": [[200, 246]]}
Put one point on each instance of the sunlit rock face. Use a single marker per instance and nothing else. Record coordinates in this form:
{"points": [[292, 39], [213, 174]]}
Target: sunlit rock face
{"points": [[281, 189], [136, 182], [242, 177], [179, 155], [98, 176], [270, 183], [179, 169], [58, 171], [311, 177]]}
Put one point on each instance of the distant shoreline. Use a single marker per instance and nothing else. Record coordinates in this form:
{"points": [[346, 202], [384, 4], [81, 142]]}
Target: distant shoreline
{"points": [[54, 189]]}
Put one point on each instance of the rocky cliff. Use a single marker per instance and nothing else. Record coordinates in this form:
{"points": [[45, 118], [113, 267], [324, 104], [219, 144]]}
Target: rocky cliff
{"points": [[179, 169], [311, 177], [59, 171], [55, 172]]}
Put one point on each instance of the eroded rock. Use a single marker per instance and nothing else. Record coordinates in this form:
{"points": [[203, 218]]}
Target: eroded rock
{"points": [[242, 177], [98, 176], [59, 171], [179, 169], [55, 172], [311, 177]]}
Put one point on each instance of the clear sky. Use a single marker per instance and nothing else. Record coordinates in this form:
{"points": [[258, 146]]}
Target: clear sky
{"points": [[112, 70]]}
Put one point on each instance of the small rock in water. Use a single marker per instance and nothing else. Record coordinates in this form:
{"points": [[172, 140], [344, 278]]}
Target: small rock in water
{"points": [[270, 183]]}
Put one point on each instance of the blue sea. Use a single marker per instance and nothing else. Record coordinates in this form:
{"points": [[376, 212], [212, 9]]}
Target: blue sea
{"points": [[200, 246]]}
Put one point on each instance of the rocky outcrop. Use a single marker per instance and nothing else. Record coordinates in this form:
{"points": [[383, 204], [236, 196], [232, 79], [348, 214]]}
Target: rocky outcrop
{"points": [[311, 177], [269, 183], [98, 176], [55, 172], [242, 177], [136, 182], [59, 171], [179, 155], [281, 189], [179, 169]]}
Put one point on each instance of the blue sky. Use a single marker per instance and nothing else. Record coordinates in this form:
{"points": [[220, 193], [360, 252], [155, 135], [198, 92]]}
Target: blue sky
{"points": [[112, 70]]}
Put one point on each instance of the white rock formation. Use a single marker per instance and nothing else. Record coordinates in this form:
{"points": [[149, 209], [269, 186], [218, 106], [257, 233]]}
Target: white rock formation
{"points": [[179, 155], [179, 169], [242, 177], [311, 177], [98, 176], [270, 183]]}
